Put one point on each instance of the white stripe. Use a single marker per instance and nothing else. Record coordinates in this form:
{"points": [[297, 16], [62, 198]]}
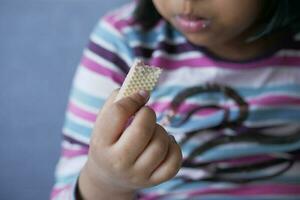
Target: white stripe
{"points": [[84, 106], [195, 173], [297, 37], [80, 121], [69, 167], [106, 26], [286, 53], [257, 78], [93, 83], [68, 145], [176, 57], [76, 136]]}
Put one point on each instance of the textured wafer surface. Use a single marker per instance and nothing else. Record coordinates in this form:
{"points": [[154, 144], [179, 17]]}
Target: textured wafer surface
{"points": [[140, 77]]}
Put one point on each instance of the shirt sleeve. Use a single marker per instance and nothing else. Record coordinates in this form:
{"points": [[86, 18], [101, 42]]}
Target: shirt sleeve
{"points": [[102, 69]]}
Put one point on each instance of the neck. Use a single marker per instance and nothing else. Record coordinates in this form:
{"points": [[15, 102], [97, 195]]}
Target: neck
{"points": [[240, 50]]}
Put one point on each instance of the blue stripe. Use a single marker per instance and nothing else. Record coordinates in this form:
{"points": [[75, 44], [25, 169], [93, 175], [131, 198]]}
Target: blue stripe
{"points": [[67, 179], [167, 186], [223, 152], [111, 38], [77, 128], [133, 35], [86, 99], [282, 113]]}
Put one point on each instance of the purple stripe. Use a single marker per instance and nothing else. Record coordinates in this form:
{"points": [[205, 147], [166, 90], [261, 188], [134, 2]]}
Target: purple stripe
{"points": [[96, 67], [112, 57], [252, 190], [247, 160], [254, 159], [171, 64], [75, 141], [164, 47]]}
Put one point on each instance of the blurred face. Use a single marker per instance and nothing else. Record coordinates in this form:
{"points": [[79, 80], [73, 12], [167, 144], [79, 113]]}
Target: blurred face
{"points": [[211, 22]]}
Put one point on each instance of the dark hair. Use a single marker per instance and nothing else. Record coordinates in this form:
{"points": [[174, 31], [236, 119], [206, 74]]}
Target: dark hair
{"points": [[146, 14], [278, 15]]}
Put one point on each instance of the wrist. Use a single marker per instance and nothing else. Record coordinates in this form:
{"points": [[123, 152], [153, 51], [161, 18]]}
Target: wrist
{"points": [[90, 189]]}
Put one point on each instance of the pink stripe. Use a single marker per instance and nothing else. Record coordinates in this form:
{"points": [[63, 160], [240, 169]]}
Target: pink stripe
{"points": [[243, 191], [96, 67], [118, 23], [70, 153], [253, 190], [81, 113], [57, 191], [123, 24], [184, 108], [272, 100], [170, 64]]}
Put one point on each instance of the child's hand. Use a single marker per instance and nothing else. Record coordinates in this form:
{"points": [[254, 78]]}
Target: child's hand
{"points": [[122, 159]]}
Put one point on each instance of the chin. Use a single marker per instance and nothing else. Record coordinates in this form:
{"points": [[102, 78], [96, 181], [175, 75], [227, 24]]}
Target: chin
{"points": [[200, 41]]}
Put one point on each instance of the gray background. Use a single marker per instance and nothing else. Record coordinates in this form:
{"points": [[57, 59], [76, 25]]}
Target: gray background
{"points": [[41, 42]]}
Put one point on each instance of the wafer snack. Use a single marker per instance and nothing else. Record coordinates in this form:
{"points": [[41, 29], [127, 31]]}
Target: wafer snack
{"points": [[140, 77]]}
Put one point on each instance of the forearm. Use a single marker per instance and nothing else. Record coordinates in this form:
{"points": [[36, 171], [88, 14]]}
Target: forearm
{"points": [[87, 190]]}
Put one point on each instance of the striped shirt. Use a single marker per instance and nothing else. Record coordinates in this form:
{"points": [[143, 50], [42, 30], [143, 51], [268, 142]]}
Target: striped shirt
{"points": [[255, 156]]}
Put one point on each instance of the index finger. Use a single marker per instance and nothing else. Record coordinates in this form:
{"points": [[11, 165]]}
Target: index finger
{"points": [[114, 116]]}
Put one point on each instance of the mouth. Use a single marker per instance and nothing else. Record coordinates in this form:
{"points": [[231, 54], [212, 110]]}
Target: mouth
{"points": [[190, 23]]}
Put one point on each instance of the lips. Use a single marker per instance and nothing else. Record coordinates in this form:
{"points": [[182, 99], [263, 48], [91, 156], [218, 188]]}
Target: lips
{"points": [[188, 23]]}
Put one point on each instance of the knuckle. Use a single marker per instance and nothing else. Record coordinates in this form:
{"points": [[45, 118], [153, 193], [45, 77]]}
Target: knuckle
{"points": [[150, 113], [171, 172], [143, 132], [117, 159], [118, 164], [176, 161], [119, 108], [160, 150], [143, 128], [94, 146], [161, 129], [135, 100], [161, 146], [136, 179]]}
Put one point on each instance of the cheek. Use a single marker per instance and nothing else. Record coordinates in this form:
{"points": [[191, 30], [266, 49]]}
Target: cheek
{"points": [[234, 20], [162, 7], [166, 8]]}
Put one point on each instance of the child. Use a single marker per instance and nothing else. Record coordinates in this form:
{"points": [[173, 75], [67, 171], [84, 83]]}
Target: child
{"points": [[229, 93]]}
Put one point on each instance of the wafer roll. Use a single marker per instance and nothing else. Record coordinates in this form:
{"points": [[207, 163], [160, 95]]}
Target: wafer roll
{"points": [[140, 77]]}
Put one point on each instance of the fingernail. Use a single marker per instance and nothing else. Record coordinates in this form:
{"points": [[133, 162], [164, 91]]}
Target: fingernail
{"points": [[144, 93], [172, 138]]}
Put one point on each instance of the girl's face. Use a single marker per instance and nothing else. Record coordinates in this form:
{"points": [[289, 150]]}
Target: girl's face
{"points": [[211, 22]]}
